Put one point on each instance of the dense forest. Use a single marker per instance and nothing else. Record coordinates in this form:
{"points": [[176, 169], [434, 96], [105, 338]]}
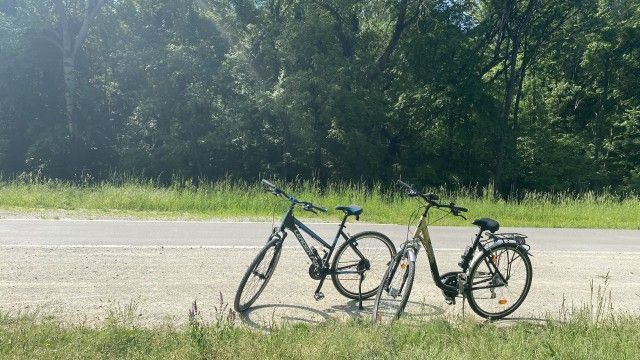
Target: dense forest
{"points": [[525, 94]]}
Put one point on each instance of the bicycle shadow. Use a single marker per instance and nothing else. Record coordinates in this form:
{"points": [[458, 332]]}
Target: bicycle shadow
{"points": [[512, 321], [269, 316], [414, 308]]}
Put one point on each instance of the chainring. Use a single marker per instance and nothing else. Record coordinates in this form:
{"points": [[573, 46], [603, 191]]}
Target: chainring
{"points": [[316, 272]]}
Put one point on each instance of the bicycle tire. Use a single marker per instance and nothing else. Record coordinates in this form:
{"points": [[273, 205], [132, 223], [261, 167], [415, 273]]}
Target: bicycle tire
{"points": [[377, 249], [276, 244], [389, 310], [480, 299]]}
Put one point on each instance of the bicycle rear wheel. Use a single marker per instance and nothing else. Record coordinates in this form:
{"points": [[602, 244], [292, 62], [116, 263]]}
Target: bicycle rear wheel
{"points": [[368, 253], [487, 293], [394, 291], [258, 274]]}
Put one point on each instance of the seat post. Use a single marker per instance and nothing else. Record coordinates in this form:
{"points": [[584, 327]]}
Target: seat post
{"points": [[344, 220]]}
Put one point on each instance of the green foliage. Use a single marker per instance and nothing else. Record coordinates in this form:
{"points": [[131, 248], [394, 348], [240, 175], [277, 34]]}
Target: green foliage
{"points": [[531, 95]]}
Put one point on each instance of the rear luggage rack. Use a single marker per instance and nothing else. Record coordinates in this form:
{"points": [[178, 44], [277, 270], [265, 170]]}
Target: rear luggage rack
{"points": [[511, 237]]}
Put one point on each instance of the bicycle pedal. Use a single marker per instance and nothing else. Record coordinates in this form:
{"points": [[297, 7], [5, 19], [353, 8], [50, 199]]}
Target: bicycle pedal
{"points": [[318, 296], [450, 300]]}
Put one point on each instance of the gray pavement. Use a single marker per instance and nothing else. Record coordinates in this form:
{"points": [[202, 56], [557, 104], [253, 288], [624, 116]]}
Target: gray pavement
{"points": [[85, 270]]}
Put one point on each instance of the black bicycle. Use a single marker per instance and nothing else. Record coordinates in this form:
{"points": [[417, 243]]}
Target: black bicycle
{"points": [[495, 274], [357, 267]]}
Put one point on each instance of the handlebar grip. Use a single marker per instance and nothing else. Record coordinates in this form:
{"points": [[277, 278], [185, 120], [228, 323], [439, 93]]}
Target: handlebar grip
{"points": [[404, 184], [462, 209], [268, 184], [432, 197], [410, 190], [324, 210]]}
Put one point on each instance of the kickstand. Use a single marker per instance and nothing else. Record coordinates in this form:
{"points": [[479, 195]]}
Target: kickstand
{"points": [[463, 299], [360, 291], [462, 283]]}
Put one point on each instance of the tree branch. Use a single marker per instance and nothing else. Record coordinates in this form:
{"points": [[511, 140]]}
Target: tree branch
{"points": [[54, 39], [500, 29], [64, 24], [413, 18], [345, 41], [90, 14], [399, 27], [499, 72]]}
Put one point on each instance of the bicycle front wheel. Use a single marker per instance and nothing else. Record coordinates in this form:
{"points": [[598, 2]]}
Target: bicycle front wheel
{"points": [[394, 291], [365, 254], [491, 295], [258, 274]]}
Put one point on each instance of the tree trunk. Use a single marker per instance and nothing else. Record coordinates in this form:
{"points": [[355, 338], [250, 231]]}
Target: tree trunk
{"points": [[69, 72], [70, 45], [68, 67], [503, 124], [599, 119], [318, 135]]}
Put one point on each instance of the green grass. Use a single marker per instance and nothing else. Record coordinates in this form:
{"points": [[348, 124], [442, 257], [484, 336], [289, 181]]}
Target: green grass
{"points": [[580, 338], [239, 200]]}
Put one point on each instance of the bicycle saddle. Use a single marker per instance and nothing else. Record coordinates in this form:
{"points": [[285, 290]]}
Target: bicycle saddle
{"points": [[487, 224], [350, 210]]}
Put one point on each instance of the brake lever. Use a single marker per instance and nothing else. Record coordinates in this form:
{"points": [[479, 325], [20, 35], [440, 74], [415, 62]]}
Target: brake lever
{"points": [[309, 207], [455, 211]]}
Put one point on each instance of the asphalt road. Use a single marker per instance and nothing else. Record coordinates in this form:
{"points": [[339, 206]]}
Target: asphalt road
{"points": [[151, 271]]}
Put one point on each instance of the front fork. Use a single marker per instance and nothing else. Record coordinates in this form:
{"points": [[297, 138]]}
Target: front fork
{"points": [[409, 251]]}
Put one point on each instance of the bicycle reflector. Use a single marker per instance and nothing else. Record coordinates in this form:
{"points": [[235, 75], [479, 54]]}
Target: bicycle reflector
{"points": [[502, 301]]}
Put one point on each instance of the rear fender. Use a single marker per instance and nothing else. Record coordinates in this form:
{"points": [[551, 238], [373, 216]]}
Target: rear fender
{"points": [[478, 256]]}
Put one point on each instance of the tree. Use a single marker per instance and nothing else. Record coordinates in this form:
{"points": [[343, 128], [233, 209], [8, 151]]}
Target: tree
{"points": [[70, 42], [519, 32]]}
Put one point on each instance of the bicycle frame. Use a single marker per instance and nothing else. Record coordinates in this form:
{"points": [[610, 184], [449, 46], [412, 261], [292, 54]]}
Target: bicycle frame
{"points": [[289, 222], [422, 234], [325, 260]]}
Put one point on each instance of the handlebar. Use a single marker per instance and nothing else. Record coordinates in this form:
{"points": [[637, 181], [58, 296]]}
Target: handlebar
{"points": [[412, 192], [455, 210], [307, 206], [432, 199], [273, 189], [310, 207]]}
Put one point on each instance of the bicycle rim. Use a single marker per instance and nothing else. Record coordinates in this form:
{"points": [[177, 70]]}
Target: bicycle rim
{"points": [[257, 276], [371, 250], [393, 294], [487, 295]]}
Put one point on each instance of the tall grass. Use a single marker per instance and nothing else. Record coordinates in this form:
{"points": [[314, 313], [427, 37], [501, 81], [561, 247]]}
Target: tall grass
{"points": [[184, 199], [590, 331], [579, 338]]}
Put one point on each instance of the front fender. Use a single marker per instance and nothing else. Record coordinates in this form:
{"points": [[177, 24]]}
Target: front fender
{"points": [[411, 254]]}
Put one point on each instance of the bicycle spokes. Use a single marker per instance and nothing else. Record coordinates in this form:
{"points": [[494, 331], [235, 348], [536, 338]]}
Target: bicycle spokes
{"points": [[499, 282]]}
